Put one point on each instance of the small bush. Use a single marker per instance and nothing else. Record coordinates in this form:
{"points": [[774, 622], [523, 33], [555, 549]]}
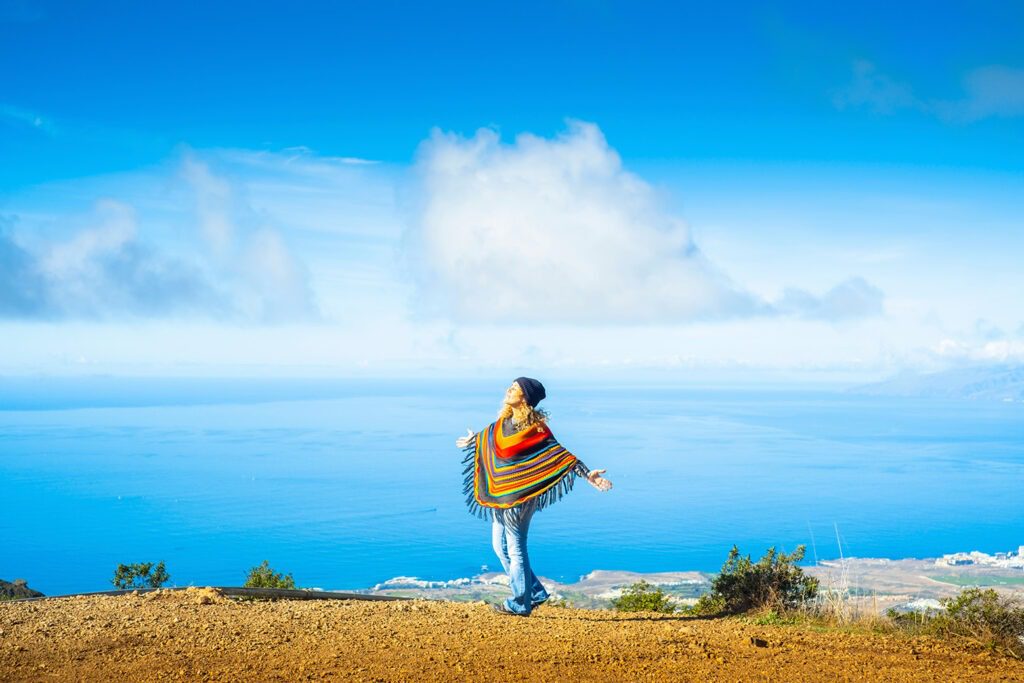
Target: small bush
{"points": [[774, 582], [140, 575], [643, 597], [917, 621], [264, 576], [984, 616], [707, 605], [770, 618]]}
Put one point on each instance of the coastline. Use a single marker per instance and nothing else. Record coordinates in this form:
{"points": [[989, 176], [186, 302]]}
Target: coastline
{"points": [[881, 583], [908, 583]]}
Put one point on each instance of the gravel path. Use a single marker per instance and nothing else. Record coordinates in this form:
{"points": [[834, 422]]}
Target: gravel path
{"points": [[198, 634]]}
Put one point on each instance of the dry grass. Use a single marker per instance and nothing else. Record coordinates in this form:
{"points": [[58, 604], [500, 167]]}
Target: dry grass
{"points": [[977, 616]]}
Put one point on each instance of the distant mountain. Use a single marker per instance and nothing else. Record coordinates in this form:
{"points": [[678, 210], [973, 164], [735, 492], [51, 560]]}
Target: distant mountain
{"points": [[990, 382]]}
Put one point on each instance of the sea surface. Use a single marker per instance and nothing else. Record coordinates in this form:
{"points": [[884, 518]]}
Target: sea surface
{"points": [[345, 484]]}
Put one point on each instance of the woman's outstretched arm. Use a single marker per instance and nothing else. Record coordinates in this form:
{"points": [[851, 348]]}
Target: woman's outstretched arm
{"points": [[592, 476]]}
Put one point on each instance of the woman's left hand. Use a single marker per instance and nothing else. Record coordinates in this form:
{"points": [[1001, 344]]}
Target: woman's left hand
{"points": [[597, 481], [464, 441]]}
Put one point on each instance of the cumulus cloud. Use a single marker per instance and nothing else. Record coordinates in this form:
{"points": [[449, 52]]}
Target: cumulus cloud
{"points": [[23, 293], [993, 90], [556, 230], [853, 298], [546, 230], [213, 203], [235, 265], [100, 271], [269, 281]]}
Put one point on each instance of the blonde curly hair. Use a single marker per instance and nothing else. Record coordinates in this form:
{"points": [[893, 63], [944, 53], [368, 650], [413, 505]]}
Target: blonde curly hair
{"points": [[527, 416]]}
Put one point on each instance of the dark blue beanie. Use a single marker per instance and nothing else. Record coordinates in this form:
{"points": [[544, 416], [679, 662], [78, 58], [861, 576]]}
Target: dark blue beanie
{"points": [[533, 391]]}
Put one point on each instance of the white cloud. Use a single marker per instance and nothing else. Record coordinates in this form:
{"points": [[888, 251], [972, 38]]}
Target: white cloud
{"points": [[236, 265], [270, 283], [278, 286], [546, 230], [23, 290], [852, 298], [307, 156], [993, 90], [101, 271], [213, 203], [556, 231], [1001, 351], [248, 224]]}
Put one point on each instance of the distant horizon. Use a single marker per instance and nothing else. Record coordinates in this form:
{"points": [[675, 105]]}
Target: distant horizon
{"points": [[703, 377], [699, 379]]}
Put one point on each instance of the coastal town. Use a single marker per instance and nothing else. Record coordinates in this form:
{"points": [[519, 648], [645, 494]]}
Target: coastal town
{"points": [[1007, 560]]}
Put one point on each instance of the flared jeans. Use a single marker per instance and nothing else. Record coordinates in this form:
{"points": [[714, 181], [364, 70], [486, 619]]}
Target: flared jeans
{"points": [[509, 532]]}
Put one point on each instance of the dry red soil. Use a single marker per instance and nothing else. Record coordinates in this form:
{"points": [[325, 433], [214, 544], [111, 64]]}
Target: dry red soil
{"points": [[200, 635]]}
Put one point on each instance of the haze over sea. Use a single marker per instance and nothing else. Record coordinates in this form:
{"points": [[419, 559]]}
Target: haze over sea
{"points": [[347, 483]]}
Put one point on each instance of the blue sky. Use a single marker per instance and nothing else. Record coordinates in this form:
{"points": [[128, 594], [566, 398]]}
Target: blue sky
{"points": [[354, 187]]}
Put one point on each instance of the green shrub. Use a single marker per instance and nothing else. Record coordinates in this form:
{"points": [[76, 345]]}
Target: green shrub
{"points": [[265, 577], [707, 605], [770, 618], [140, 575], [774, 582], [984, 616], [643, 597], [917, 621]]}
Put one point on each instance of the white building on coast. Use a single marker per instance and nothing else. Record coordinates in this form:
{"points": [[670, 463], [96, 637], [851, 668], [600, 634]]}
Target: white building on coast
{"points": [[1007, 560]]}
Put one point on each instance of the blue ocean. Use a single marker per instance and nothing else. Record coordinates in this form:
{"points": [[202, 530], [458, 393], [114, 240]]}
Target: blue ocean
{"points": [[348, 483]]}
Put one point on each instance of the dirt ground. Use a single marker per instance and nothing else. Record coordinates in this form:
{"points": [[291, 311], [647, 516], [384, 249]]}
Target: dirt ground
{"points": [[198, 634]]}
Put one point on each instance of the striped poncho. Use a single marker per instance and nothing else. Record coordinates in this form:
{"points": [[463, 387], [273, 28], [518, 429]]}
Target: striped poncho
{"points": [[506, 468]]}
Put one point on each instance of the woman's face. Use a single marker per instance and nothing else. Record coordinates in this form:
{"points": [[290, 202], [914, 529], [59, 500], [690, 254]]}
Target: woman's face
{"points": [[514, 395]]}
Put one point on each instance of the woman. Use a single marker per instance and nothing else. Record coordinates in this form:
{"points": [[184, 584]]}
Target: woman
{"points": [[514, 468]]}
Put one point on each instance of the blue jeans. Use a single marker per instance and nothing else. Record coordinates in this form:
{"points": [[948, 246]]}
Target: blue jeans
{"points": [[508, 536]]}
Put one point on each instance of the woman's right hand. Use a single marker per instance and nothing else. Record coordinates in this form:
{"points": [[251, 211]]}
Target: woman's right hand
{"points": [[464, 441], [597, 481]]}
